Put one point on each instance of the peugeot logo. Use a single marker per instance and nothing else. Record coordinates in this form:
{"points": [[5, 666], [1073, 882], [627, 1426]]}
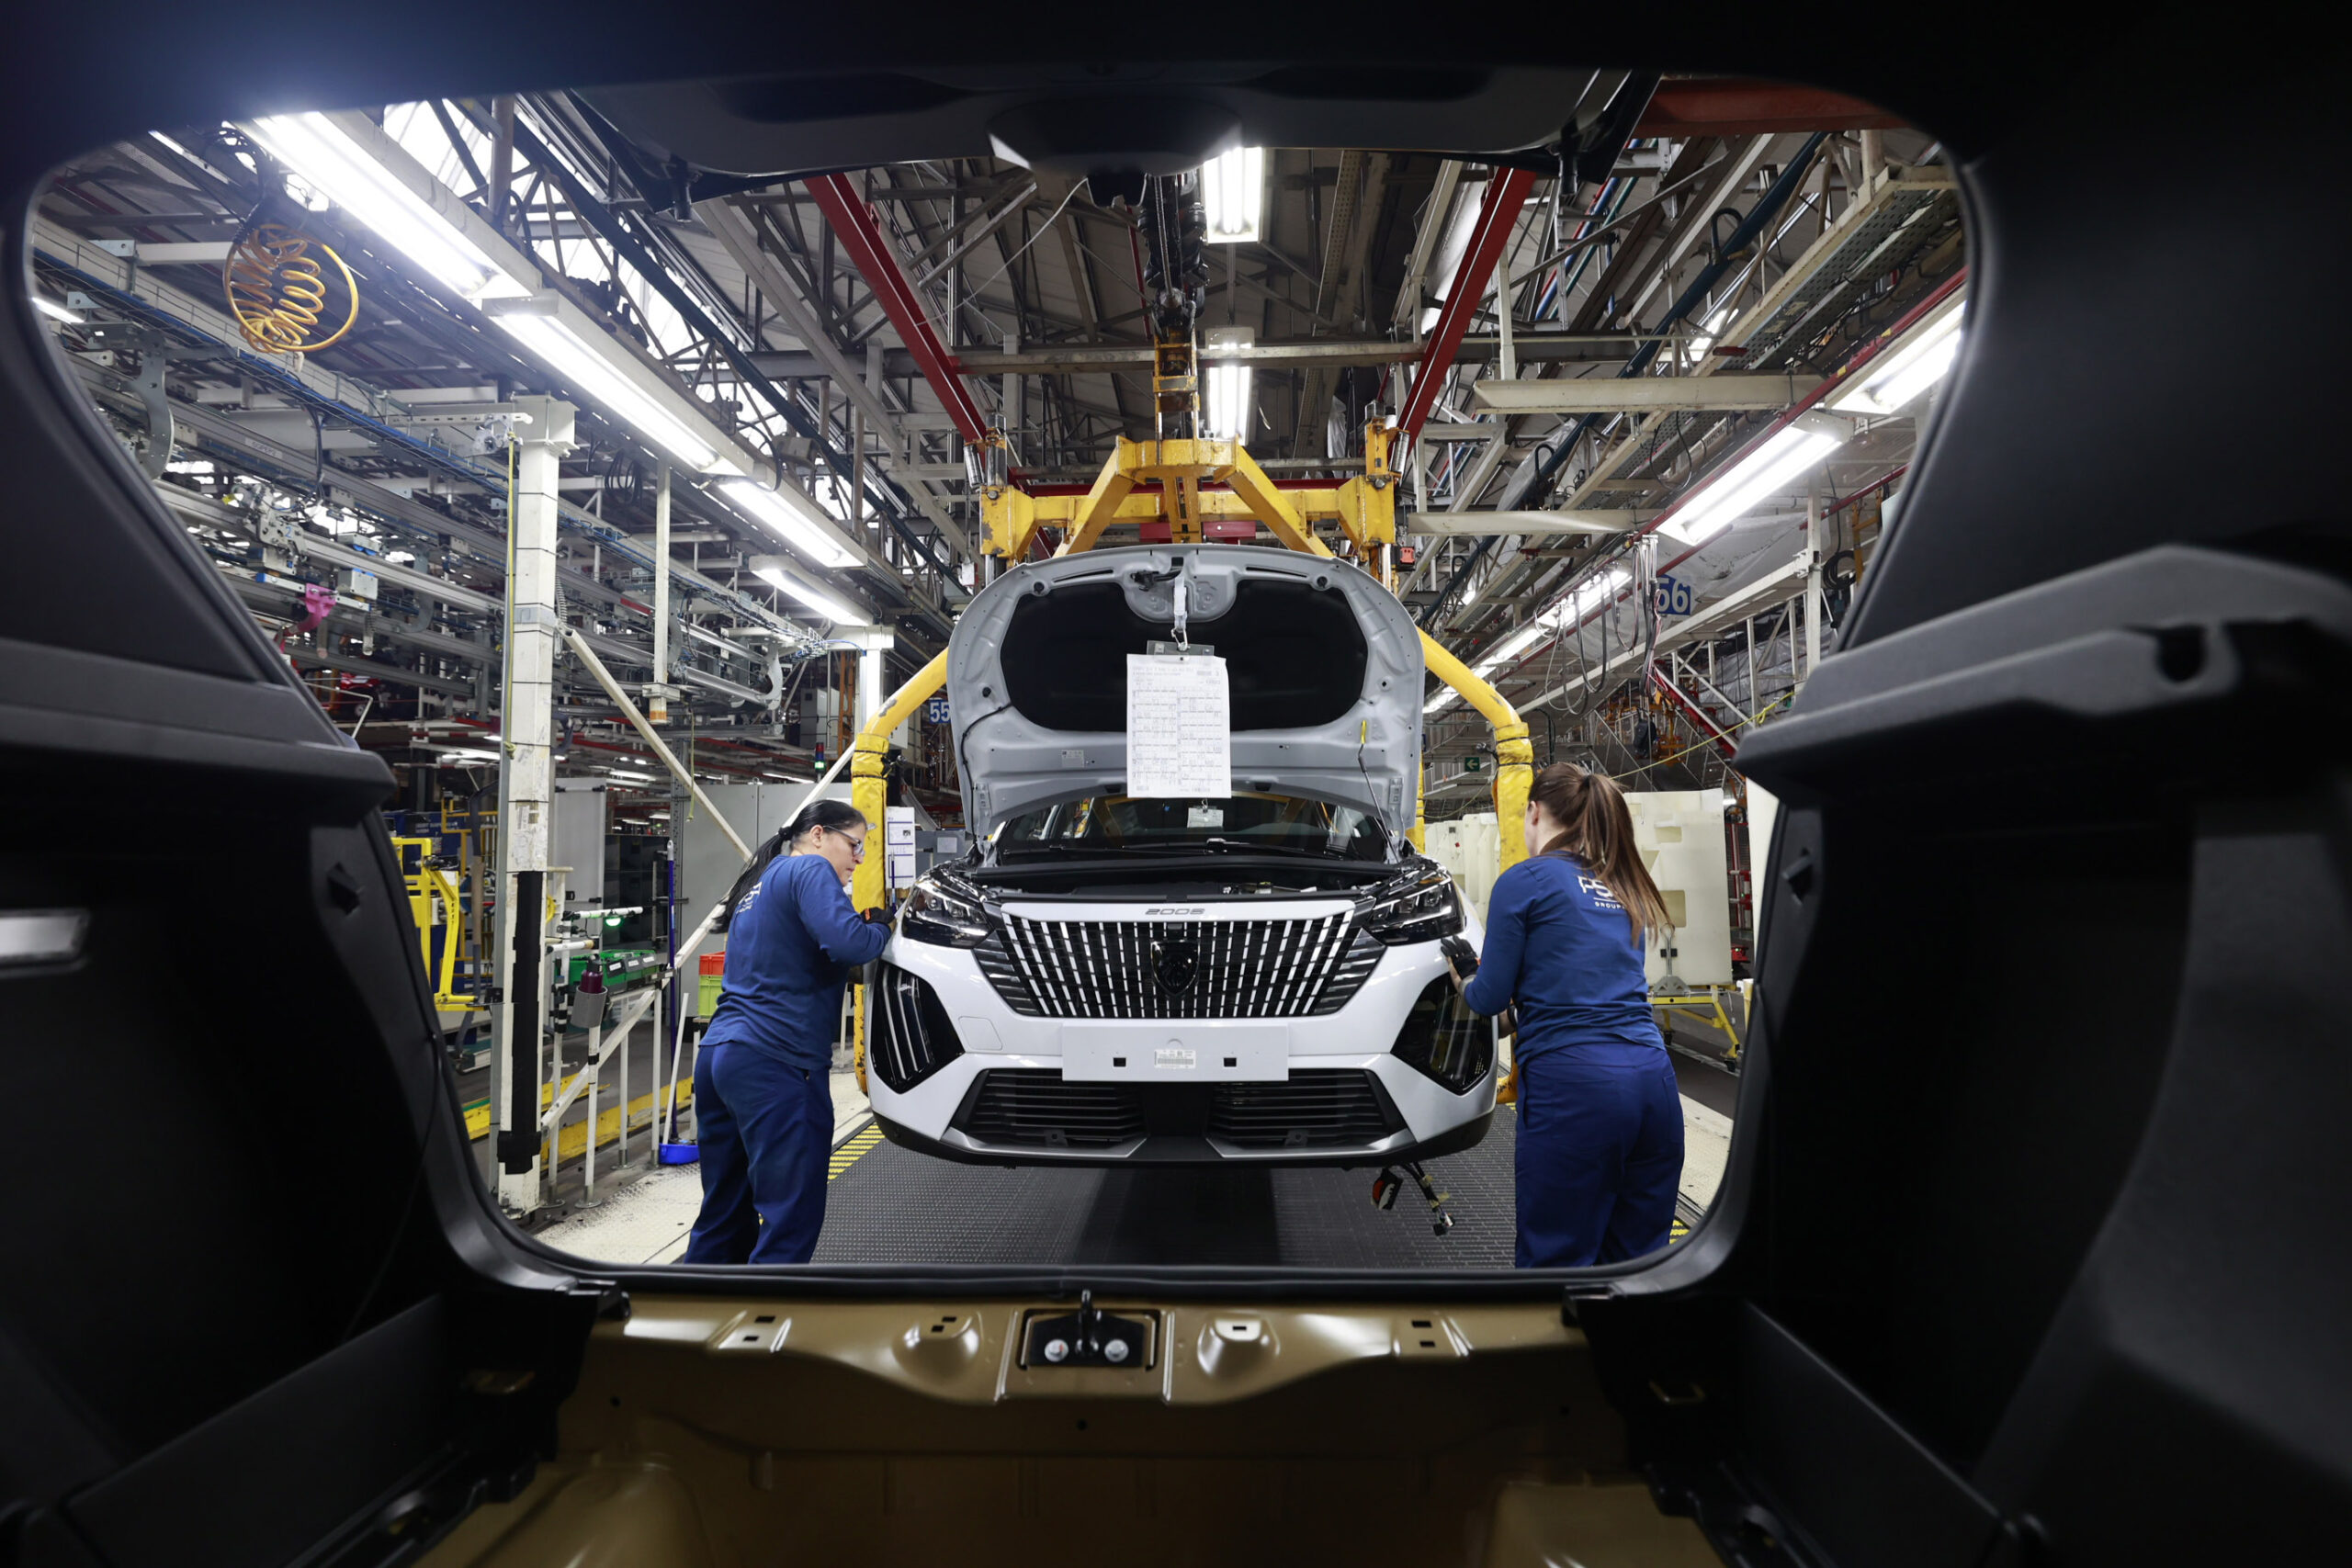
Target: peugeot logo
{"points": [[1175, 964]]}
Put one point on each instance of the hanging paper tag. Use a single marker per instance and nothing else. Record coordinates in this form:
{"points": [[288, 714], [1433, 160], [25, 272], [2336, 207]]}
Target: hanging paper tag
{"points": [[1179, 727]]}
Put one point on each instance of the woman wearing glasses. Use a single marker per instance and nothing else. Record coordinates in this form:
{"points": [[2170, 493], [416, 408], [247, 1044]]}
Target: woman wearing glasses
{"points": [[761, 1098]]}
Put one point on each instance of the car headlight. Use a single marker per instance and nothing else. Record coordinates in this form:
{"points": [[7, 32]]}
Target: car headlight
{"points": [[945, 911], [1420, 907]]}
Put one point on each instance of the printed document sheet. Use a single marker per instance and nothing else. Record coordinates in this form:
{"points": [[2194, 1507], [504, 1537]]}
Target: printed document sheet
{"points": [[1179, 727]]}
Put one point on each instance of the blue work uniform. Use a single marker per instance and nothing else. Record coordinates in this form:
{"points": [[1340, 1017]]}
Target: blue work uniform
{"points": [[762, 1096], [1599, 1147]]}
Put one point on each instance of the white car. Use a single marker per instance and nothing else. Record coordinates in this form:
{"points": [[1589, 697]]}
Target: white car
{"points": [[1258, 976]]}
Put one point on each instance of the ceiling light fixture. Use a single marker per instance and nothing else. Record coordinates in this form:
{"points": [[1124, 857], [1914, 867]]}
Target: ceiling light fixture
{"points": [[356, 178], [824, 603], [579, 361], [55, 312], [1229, 407], [1766, 471], [1890, 381], [1233, 189], [794, 516], [1597, 591]]}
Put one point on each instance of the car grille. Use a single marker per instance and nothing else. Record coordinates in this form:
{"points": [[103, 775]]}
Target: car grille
{"points": [[1275, 968], [1318, 1106], [1037, 1107]]}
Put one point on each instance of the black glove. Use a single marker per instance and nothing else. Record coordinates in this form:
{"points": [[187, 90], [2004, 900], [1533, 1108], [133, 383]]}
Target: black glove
{"points": [[870, 915]]}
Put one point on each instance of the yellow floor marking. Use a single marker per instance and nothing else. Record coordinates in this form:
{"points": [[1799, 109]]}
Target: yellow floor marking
{"points": [[847, 1154], [575, 1136]]}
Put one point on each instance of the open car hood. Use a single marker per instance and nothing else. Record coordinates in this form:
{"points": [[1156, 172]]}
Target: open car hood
{"points": [[1325, 668]]}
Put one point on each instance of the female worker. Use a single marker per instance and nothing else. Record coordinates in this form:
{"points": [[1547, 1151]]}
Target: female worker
{"points": [[1600, 1151], [762, 1099]]}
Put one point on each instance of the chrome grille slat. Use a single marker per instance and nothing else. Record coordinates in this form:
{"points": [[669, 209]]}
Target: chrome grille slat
{"points": [[1107, 969]]}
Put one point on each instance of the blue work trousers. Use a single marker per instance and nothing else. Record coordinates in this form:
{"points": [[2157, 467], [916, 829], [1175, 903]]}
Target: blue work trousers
{"points": [[1599, 1153], [766, 1129]]}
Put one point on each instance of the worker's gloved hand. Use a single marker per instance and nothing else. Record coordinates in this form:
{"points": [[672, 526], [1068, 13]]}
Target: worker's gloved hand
{"points": [[870, 915], [1460, 957]]}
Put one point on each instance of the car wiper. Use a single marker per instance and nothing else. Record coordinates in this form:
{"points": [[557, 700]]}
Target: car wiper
{"points": [[1269, 849], [1187, 846], [1218, 846]]}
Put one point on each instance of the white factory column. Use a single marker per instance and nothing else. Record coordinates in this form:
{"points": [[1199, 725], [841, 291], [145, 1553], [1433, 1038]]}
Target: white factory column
{"points": [[525, 791]]}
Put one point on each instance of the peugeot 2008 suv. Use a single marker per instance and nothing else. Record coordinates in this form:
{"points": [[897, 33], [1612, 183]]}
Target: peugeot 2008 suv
{"points": [[1254, 975]]}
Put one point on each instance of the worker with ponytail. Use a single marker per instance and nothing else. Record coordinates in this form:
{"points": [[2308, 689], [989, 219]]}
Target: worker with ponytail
{"points": [[762, 1098], [1600, 1145]]}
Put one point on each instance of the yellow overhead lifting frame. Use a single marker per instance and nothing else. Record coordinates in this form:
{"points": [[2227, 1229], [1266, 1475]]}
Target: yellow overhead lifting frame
{"points": [[1161, 481]]}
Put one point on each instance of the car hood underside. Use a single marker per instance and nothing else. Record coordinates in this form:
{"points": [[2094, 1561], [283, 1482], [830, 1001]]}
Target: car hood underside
{"points": [[1325, 668]]}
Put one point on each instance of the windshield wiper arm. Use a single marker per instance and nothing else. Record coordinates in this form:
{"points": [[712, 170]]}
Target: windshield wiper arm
{"points": [[1268, 848]]}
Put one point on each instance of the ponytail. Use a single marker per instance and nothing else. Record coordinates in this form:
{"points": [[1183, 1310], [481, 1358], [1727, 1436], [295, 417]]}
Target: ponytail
{"points": [[1597, 831], [812, 816]]}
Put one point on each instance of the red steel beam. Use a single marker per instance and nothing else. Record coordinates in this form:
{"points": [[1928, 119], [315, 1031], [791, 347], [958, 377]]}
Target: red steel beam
{"points": [[1505, 193], [1737, 106], [869, 252]]}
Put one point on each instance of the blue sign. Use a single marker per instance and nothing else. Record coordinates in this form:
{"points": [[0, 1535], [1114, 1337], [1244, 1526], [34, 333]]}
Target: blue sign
{"points": [[1674, 597], [936, 710]]}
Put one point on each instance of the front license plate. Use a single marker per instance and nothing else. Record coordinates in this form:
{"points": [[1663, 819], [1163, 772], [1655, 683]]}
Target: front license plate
{"points": [[1176, 1050]]}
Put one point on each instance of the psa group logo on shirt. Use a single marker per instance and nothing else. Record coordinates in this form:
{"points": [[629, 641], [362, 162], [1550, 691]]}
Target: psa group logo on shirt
{"points": [[1599, 893]]}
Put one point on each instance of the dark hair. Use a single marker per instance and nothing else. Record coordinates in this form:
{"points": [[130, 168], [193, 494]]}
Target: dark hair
{"points": [[1597, 831], [835, 813]]}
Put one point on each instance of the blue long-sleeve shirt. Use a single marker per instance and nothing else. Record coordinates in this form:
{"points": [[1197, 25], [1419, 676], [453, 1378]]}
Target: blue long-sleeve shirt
{"points": [[1558, 943], [789, 950]]}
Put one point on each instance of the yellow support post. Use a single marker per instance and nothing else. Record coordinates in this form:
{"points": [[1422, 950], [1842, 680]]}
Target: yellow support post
{"points": [[1009, 519], [1366, 508], [1102, 503], [1269, 505], [1514, 758], [867, 791], [870, 793]]}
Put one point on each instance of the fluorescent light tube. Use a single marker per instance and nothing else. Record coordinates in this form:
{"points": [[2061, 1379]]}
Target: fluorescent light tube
{"points": [[329, 158], [824, 604], [1556, 621], [1233, 189], [1600, 591], [1229, 408], [793, 515], [1899, 374], [581, 364], [55, 312], [1511, 646], [1444, 694], [1768, 469]]}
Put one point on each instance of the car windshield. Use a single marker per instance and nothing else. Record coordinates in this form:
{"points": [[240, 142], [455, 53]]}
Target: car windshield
{"points": [[1273, 823]]}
